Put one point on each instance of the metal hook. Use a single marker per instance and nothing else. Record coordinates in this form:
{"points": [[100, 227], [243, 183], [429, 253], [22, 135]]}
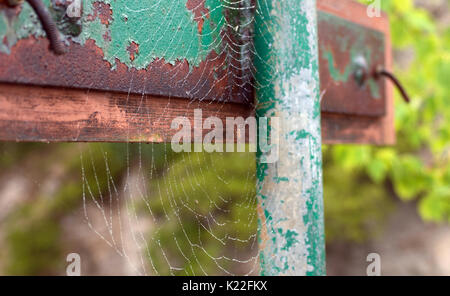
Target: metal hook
{"points": [[49, 26], [382, 72], [47, 22], [361, 71]]}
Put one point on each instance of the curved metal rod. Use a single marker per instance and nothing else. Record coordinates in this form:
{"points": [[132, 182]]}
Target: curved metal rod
{"points": [[49, 26], [383, 72]]}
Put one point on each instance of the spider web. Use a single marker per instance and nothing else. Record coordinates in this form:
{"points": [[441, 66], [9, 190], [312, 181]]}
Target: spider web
{"points": [[183, 213]]}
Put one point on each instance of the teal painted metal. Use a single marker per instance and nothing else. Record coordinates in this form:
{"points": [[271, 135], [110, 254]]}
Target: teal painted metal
{"points": [[290, 194], [166, 30], [193, 49], [171, 33]]}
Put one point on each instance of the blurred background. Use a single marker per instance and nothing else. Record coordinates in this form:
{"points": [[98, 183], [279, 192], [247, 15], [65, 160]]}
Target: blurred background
{"points": [[141, 209]]}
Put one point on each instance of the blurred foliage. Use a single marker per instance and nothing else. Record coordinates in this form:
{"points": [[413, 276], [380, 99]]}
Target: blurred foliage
{"points": [[32, 231], [355, 207]]}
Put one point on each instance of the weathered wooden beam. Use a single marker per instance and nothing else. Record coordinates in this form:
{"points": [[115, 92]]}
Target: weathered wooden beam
{"points": [[43, 114]]}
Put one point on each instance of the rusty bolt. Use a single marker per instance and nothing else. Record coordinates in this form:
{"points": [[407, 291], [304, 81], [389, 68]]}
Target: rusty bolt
{"points": [[361, 70]]}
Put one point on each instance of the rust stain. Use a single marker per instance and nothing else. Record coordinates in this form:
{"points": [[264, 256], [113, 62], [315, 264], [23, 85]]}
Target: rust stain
{"points": [[103, 12], [84, 66], [263, 235], [107, 36], [133, 50], [199, 10]]}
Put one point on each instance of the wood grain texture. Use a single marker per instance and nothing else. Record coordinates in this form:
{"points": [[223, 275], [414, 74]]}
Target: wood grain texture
{"points": [[33, 113]]}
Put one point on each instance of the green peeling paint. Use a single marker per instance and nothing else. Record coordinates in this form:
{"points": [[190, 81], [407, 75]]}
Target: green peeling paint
{"points": [[23, 26], [334, 71], [290, 237], [344, 76], [166, 30], [161, 29], [290, 190]]}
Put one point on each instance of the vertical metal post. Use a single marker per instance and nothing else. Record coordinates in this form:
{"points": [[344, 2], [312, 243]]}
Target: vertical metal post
{"points": [[290, 192]]}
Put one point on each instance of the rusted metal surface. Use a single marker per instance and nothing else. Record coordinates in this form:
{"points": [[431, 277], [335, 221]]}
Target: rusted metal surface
{"points": [[352, 128], [341, 42], [344, 49], [217, 75], [84, 67]]}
